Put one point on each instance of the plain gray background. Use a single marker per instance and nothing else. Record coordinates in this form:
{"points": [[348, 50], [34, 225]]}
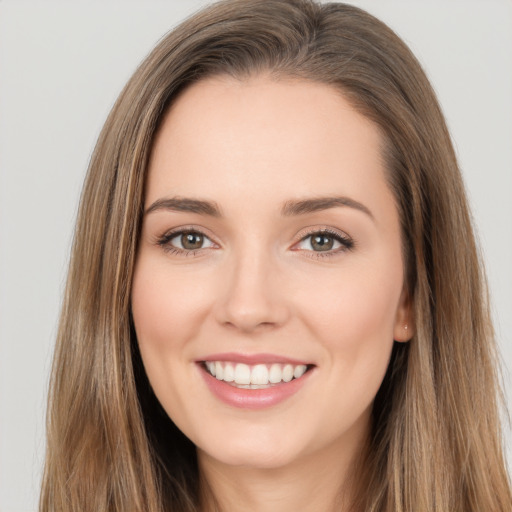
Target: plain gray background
{"points": [[61, 68]]}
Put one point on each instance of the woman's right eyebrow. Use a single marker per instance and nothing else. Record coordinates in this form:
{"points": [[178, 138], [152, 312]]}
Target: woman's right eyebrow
{"points": [[185, 204]]}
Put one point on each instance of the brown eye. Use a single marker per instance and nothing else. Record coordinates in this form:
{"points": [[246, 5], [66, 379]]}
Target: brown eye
{"points": [[322, 242], [191, 241], [325, 242], [184, 241]]}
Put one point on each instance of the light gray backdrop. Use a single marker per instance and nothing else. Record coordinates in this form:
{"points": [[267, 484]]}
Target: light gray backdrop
{"points": [[61, 67]]}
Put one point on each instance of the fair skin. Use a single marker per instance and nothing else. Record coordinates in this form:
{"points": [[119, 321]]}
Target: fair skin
{"points": [[318, 285]]}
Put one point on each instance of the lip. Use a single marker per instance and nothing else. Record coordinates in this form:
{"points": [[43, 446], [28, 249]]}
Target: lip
{"points": [[252, 359], [252, 399]]}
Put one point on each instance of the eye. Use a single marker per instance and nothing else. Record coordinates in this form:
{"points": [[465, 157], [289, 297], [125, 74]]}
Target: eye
{"points": [[185, 241], [325, 241]]}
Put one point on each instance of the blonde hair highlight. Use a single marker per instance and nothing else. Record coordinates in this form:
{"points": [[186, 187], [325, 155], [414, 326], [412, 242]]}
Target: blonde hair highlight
{"points": [[436, 443]]}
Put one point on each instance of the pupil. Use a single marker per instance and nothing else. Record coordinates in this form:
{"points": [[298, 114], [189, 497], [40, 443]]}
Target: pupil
{"points": [[191, 240], [322, 242]]}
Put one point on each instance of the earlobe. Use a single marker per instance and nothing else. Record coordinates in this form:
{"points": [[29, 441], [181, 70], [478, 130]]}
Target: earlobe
{"points": [[404, 322], [403, 333]]}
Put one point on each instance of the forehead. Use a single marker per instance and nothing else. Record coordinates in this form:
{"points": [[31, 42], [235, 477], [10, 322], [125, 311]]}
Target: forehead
{"points": [[265, 138]]}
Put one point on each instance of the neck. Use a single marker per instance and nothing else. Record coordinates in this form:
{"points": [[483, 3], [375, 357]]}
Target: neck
{"points": [[323, 481]]}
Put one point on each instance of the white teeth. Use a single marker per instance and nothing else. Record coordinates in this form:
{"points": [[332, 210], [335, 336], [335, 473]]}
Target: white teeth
{"points": [[275, 374], [288, 373], [219, 371], [229, 373], [242, 374], [259, 374], [211, 367], [299, 371], [252, 386], [254, 377]]}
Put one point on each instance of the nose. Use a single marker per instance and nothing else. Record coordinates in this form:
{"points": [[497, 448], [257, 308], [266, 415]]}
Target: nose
{"points": [[253, 297]]}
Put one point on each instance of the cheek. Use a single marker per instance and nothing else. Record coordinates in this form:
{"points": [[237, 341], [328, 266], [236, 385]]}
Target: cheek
{"points": [[350, 304], [168, 311], [365, 306], [352, 315], [166, 307]]}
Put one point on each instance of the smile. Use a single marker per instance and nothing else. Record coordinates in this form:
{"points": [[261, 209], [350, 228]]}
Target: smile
{"points": [[256, 383], [258, 376]]}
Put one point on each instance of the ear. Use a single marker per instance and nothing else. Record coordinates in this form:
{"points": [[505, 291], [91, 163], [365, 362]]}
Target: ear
{"points": [[404, 328]]}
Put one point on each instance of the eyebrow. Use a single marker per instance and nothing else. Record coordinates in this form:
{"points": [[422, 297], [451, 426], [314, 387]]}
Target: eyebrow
{"points": [[304, 206], [185, 204], [290, 208]]}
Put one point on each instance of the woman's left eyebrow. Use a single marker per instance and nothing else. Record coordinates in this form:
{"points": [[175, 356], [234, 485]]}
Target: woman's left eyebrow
{"points": [[289, 209], [311, 205]]}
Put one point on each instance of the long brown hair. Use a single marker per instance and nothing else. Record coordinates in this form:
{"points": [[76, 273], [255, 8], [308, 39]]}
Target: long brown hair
{"points": [[436, 443]]}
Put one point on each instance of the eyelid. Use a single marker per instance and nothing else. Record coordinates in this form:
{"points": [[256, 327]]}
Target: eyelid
{"points": [[346, 241], [164, 239]]}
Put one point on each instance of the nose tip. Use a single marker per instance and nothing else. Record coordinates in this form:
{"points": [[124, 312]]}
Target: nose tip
{"points": [[248, 326], [250, 319], [253, 299], [250, 309]]}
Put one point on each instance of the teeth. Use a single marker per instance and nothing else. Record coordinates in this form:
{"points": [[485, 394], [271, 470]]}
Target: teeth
{"points": [[219, 371], [253, 386], [254, 377], [259, 374], [275, 374], [288, 373], [211, 367], [299, 371], [229, 373], [242, 374]]}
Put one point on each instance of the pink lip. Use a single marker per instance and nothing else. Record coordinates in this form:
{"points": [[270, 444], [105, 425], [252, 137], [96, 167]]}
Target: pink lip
{"points": [[252, 398], [252, 359]]}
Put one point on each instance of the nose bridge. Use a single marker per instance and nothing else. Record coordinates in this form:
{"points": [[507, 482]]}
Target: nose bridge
{"points": [[253, 297]]}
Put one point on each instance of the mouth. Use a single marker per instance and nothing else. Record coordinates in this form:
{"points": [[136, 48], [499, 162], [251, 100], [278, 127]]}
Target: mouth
{"points": [[254, 382], [255, 376]]}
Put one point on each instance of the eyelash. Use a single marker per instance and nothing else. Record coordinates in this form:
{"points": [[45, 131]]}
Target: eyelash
{"points": [[346, 242], [164, 241]]}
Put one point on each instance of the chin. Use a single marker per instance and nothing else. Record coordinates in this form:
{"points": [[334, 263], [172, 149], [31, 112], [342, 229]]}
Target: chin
{"points": [[258, 452]]}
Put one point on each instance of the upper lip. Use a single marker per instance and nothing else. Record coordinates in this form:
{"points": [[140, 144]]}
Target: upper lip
{"points": [[252, 359]]}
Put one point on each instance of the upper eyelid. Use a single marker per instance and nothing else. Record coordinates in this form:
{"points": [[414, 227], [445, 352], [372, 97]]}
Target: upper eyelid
{"points": [[342, 237], [325, 230], [304, 232], [174, 232]]}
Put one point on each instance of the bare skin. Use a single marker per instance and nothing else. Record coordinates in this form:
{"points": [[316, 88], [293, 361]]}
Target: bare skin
{"points": [[269, 269], [302, 485]]}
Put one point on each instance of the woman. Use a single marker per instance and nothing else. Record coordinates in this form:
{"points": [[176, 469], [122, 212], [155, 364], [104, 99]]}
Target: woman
{"points": [[275, 301]]}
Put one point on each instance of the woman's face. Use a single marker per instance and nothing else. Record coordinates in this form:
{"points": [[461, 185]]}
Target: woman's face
{"points": [[270, 251]]}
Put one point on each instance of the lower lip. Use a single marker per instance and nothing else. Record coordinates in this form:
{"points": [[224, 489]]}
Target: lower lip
{"points": [[253, 398]]}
